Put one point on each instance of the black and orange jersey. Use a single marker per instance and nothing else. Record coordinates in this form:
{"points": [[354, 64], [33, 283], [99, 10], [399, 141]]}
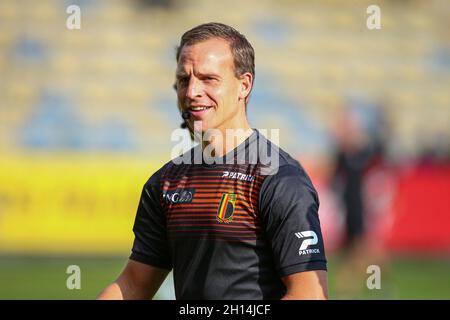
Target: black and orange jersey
{"points": [[230, 229]]}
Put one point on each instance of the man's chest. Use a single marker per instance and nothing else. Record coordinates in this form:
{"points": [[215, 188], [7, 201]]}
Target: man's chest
{"points": [[214, 202]]}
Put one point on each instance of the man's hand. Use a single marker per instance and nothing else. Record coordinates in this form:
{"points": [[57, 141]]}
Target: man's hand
{"points": [[307, 285], [137, 281]]}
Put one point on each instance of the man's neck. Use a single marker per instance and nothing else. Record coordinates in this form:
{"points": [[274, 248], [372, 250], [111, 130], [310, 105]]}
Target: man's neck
{"points": [[225, 140]]}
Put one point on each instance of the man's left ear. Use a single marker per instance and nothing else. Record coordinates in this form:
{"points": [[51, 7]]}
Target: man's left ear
{"points": [[246, 85]]}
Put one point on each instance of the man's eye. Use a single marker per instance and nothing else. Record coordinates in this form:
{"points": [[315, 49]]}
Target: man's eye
{"points": [[182, 81]]}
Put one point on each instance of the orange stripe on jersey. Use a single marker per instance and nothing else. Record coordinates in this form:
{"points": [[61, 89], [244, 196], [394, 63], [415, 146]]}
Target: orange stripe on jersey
{"points": [[211, 179], [226, 185]]}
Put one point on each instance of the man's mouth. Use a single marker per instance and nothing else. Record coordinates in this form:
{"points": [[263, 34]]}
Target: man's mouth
{"points": [[198, 111], [199, 108]]}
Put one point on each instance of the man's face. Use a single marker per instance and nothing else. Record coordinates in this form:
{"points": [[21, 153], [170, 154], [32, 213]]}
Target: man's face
{"points": [[207, 87]]}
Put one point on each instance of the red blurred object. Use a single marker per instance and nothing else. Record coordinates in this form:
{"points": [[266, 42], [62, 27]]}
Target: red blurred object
{"points": [[421, 211]]}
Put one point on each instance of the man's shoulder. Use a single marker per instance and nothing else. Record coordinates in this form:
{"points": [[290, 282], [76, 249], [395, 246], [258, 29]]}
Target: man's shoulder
{"points": [[156, 177], [285, 170], [274, 159], [289, 180], [171, 167]]}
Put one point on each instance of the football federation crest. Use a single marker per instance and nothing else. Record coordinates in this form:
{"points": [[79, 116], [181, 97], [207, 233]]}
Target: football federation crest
{"points": [[226, 208]]}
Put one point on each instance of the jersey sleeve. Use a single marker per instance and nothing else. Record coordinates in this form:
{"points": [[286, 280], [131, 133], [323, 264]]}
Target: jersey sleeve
{"points": [[289, 210], [150, 243]]}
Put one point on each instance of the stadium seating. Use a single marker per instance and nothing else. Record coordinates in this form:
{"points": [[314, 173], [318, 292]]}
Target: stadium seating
{"points": [[113, 77]]}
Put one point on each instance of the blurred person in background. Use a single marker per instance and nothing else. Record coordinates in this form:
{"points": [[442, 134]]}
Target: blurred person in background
{"points": [[359, 161], [272, 247]]}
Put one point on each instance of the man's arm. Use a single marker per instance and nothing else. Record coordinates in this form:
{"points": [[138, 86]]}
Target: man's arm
{"points": [[306, 285], [137, 281]]}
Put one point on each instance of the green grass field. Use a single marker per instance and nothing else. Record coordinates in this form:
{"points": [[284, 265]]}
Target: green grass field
{"points": [[39, 277]]}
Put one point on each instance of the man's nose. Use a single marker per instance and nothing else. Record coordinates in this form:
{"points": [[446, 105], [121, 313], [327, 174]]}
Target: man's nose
{"points": [[194, 88]]}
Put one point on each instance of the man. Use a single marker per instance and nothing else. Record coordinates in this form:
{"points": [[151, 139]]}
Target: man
{"points": [[228, 229]]}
